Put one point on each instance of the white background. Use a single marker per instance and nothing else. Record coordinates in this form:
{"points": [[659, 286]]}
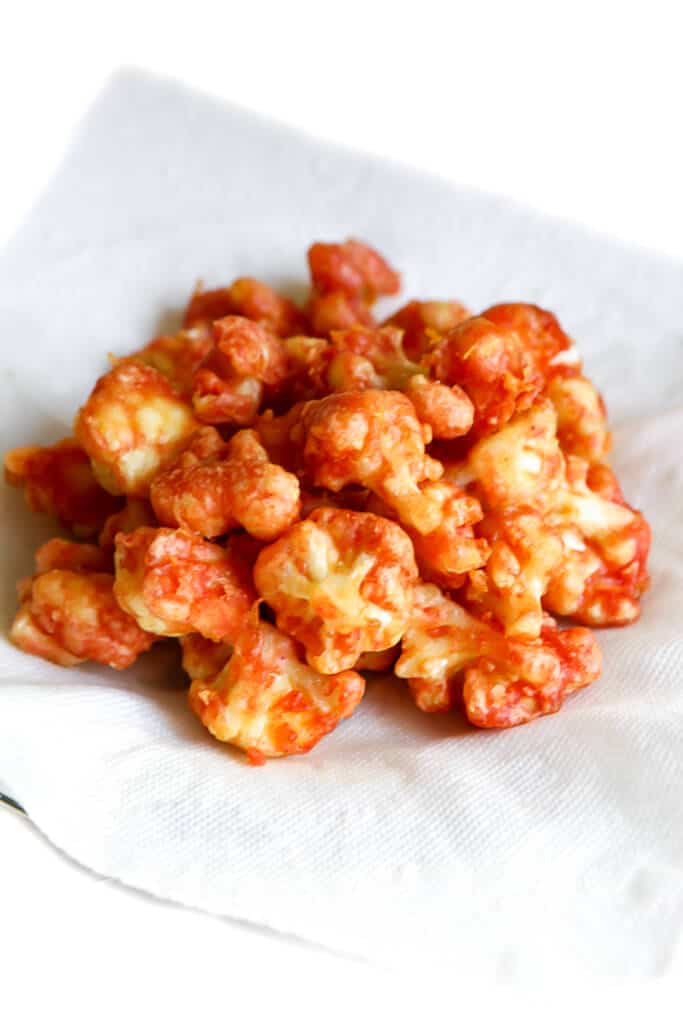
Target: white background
{"points": [[573, 108]]}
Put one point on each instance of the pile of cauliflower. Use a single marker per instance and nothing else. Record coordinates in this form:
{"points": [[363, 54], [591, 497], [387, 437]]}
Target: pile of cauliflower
{"points": [[303, 495]]}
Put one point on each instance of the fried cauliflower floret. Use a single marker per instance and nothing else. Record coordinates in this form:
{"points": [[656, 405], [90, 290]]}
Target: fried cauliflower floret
{"points": [[506, 682], [341, 583], [604, 571], [525, 556], [268, 702], [450, 551], [425, 323], [174, 583], [538, 330], [132, 425], [72, 616], [59, 481], [492, 366], [136, 512], [534, 681], [446, 410], [441, 640], [65, 554], [352, 268], [246, 297], [581, 415], [178, 356], [371, 439], [202, 658], [213, 487], [248, 363], [336, 311], [521, 464], [367, 357]]}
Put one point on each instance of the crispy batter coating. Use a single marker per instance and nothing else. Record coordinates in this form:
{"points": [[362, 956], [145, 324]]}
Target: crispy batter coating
{"points": [[425, 323], [521, 464], [537, 329], [65, 554], [212, 487], [506, 682], [371, 439], [248, 362], [352, 268], [525, 556], [450, 551], [581, 414], [132, 425], [492, 365], [59, 481], [368, 357], [178, 356], [601, 573], [604, 571], [202, 658], [71, 616], [174, 582], [341, 583], [335, 311], [446, 410], [246, 297], [268, 702], [136, 512]]}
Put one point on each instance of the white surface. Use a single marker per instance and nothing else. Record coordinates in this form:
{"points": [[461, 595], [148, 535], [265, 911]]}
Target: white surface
{"points": [[606, 103]]}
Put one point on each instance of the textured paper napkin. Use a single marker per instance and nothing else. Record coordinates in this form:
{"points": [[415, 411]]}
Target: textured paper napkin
{"points": [[554, 848]]}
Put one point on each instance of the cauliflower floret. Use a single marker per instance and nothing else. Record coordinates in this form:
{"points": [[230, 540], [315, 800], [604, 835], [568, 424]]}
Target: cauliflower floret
{"points": [[537, 329], [441, 640], [352, 268], [178, 356], [367, 357], [136, 512], [525, 555], [425, 323], [71, 616], [336, 311], [213, 486], [533, 681], [604, 571], [446, 410], [492, 365], [65, 554], [248, 363], [581, 415], [59, 481], [248, 298], [506, 682], [450, 551], [132, 425], [521, 464], [371, 439], [174, 583], [341, 583], [202, 658], [268, 702]]}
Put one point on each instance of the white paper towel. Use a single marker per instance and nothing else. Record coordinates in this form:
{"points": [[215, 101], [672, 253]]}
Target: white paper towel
{"points": [[552, 849]]}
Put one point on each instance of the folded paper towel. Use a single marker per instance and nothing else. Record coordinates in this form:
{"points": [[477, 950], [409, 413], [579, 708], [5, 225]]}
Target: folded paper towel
{"points": [[555, 848]]}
